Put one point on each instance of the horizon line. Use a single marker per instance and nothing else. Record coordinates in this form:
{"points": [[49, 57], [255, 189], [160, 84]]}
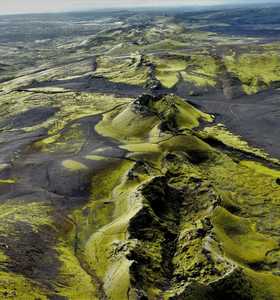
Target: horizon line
{"points": [[128, 7]]}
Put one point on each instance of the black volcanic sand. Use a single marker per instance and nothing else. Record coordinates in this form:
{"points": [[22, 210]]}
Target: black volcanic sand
{"points": [[256, 118], [30, 117], [94, 85], [42, 172]]}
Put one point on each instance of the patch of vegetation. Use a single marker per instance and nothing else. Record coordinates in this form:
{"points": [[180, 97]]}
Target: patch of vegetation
{"points": [[129, 71], [256, 71], [221, 134], [167, 70], [240, 240], [203, 70], [259, 168], [73, 165]]}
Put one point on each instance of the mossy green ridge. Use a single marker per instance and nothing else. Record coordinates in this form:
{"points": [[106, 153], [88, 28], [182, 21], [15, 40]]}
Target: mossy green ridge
{"points": [[256, 71], [150, 119], [259, 168], [167, 71], [178, 222], [73, 165], [220, 134], [130, 71], [171, 217], [241, 241]]}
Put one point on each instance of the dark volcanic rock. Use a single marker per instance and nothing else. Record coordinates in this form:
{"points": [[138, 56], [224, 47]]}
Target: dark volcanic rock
{"points": [[29, 118]]}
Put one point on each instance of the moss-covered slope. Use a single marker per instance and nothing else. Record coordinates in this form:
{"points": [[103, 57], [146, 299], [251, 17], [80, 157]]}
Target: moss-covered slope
{"points": [[138, 205]]}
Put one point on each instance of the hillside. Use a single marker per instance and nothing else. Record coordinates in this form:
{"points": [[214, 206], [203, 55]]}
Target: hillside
{"points": [[139, 157]]}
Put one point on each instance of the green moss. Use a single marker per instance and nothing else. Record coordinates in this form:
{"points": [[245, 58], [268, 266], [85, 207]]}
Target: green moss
{"points": [[16, 287], [112, 265], [72, 106], [264, 285], [255, 70], [47, 141], [71, 141], [127, 125], [261, 169], [142, 148], [73, 165], [99, 228], [205, 64], [7, 181], [130, 125], [3, 257], [104, 182], [185, 115], [106, 247], [203, 71], [95, 157], [167, 70], [239, 238], [228, 201], [129, 71], [187, 143], [221, 133], [98, 212], [77, 284], [13, 213], [167, 78], [198, 80], [188, 116], [117, 281], [35, 214]]}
